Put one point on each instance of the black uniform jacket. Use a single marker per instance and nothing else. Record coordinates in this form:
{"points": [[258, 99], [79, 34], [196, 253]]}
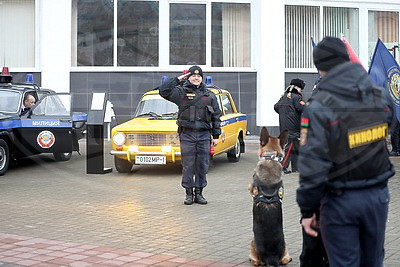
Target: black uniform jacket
{"points": [[289, 110], [173, 91], [321, 128]]}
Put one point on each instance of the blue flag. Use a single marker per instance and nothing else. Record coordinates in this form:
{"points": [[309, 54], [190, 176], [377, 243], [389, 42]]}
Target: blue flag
{"points": [[313, 43], [384, 72]]}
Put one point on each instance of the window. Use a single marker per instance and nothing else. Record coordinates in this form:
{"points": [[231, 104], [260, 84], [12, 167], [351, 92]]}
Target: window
{"points": [[10, 101], [187, 34], [301, 23], [127, 33], [137, 33], [231, 34], [17, 42], [340, 20], [92, 29], [226, 105], [383, 25], [54, 104]]}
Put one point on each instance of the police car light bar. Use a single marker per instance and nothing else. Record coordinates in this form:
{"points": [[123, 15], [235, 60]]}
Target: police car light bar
{"points": [[164, 78], [5, 71], [5, 76], [209, 80], [29, 78]]}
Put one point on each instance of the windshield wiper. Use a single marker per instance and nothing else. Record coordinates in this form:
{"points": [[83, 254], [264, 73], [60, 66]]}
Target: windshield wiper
{"points": [[170, 113], [151, 113]]}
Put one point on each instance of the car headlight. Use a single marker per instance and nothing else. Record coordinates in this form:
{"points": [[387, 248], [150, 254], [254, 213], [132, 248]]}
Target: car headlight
{"points": [[119, 139]]}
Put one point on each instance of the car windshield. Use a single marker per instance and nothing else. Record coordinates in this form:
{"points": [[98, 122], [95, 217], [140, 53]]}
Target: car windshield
{"points": [[156, 108], [10, 101]]}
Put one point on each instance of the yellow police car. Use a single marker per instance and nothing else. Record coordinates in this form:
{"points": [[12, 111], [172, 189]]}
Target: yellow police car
{"points": [[151, 136]]}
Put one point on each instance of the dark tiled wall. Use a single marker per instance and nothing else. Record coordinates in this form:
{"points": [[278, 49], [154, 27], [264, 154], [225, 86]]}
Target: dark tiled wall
{"points": [[125, 90], [21, 76]]}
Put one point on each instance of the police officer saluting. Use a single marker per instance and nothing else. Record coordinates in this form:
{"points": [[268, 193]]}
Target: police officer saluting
{"points": [[198, 127], [343, 162]]}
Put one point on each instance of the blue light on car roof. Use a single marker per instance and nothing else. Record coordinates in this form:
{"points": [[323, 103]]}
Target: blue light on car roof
{"points": [[164, 78], [209, 80], [29, 78]]}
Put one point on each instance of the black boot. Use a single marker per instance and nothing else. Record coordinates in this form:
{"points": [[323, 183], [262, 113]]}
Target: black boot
{"points": [[189, 196], [198, 197]]}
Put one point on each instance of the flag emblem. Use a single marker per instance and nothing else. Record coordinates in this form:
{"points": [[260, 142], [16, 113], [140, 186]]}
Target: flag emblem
{"points": [[394, 84]]}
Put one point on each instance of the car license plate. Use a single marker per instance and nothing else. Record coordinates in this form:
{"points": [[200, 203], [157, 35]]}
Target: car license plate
{"points": [[150, 160]]}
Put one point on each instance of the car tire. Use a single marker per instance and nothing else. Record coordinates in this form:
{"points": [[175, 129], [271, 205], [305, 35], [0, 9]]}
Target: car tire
{"points": [[4, 157], [234, 153], [62, 156], [122, 165]]}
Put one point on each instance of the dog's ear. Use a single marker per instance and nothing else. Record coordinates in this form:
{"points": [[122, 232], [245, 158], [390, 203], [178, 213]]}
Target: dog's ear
{"points": [[264, 136], [283, 138]]}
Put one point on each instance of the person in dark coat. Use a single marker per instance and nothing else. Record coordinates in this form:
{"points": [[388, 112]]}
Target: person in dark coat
{"points": [[344, 162], [289, 108], [198, 127]]}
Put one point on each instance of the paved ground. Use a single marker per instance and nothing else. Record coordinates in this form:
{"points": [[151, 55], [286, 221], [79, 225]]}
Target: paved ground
{"points": [[54, 214]]}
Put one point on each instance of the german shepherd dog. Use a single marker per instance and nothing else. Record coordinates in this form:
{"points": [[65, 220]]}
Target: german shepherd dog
{"points": [[268, 247]]}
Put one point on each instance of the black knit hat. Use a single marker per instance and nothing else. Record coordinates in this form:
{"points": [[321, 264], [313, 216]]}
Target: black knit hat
{"points": [[298, 82], [196, 70], [331, 51]]}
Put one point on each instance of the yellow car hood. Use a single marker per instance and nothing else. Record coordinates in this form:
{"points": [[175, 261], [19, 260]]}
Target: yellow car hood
{"points": [[148, 124]]}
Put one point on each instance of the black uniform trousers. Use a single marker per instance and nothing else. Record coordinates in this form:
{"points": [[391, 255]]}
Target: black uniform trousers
{"points": [[353, 226], [291, 153], [195, 153]]}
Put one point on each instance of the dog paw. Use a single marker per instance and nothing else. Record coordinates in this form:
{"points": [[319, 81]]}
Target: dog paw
{"points": [[285, 260], [254, 262]]}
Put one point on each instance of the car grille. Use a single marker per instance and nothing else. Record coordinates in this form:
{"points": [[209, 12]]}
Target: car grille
{"points": [[153, 139]]}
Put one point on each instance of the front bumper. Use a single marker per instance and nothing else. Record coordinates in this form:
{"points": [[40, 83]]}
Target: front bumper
{"points": [[172, 156]]}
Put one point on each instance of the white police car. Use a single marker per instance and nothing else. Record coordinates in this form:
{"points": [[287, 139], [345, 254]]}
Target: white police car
{"points": [[48, 127]]}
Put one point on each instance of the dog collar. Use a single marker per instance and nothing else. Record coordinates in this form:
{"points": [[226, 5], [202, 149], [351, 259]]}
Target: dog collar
{"points": [[271, 155]]}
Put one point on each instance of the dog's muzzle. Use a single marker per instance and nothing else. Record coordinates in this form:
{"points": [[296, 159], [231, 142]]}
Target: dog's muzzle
{"points": [[272, 155]]}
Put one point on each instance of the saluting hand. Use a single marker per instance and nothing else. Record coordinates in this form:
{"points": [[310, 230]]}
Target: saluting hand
{"points": [[183, 76]]}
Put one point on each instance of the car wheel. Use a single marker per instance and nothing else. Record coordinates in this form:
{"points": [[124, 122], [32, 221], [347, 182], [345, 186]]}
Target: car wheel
{"points": [[234, 153], [4, 157], [62, 156], [122, 165]]}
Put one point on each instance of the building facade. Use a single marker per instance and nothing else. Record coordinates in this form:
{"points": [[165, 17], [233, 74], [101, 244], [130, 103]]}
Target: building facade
{"points": [[253, 48]]}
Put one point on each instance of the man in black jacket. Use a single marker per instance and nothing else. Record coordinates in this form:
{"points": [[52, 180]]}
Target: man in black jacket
{"points": [[344, 163], [198, 119], [289, 108]]}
